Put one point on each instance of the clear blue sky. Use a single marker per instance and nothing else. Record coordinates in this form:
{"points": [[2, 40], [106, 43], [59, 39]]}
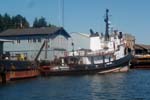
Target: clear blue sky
{"points": [[131, 16]]}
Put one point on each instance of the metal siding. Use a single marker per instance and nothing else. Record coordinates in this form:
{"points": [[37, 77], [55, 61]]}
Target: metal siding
{"points": [[79, 41], [32, 48], [59, 42]]}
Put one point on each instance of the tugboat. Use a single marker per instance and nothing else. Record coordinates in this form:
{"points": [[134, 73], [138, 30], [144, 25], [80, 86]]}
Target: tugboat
{"points": [[107, 54]]}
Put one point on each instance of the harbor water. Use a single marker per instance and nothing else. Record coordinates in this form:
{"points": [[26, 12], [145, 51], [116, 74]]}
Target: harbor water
{"points": [[133, 85]]}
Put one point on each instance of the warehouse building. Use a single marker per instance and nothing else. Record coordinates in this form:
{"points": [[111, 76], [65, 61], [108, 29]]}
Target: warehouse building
{"points": [[29, 42]]}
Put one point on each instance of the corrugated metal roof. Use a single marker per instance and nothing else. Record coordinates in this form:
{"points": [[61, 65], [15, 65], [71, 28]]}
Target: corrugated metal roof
{"points": [[30, 31], [142, 46], [4, 40], [82, 34]]}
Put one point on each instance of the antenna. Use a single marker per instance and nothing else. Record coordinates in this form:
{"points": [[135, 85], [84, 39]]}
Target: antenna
{"points": [[61, 13], [107, 25]]}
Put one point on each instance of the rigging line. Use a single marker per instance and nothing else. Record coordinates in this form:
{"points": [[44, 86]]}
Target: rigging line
{"points": [[61, 12]]}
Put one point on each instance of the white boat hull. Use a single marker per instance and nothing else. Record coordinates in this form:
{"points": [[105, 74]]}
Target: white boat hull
{"points": [[119, 69]]}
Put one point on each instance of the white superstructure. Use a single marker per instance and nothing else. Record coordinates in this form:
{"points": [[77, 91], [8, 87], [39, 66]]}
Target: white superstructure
{"points": [[103, 48]]}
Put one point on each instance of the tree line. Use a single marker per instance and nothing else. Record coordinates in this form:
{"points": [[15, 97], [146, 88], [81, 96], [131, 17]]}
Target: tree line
{"points": [[18, 21]]}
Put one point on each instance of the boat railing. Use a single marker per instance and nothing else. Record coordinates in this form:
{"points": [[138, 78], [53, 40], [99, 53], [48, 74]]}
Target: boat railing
{"points": [[94, 53], [100, 53]]}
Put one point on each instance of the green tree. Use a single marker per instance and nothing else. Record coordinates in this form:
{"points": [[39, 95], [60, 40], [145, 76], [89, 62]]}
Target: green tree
{"points": [[39, 22], [1, 23], [7, 22], [35, 23], [20, 22]]}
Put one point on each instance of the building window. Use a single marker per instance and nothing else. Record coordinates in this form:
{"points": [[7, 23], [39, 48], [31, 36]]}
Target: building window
{"points": [[34, 40], [39, 39], [18, 41], [28, 40]]}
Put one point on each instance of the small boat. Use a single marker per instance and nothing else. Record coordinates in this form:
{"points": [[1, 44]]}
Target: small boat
{"points": [[107, 54], [15, 70]]}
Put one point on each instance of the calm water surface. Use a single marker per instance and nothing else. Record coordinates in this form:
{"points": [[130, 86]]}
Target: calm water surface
{"points": [[133, 85]]}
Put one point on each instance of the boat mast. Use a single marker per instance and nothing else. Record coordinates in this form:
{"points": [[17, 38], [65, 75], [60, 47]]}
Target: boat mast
{"points": [[61, 12], [107, 25]]}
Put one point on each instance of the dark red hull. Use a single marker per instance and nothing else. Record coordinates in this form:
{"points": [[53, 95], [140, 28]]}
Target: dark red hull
{"points": [[16, 75], [15, 69], [24, 74]]}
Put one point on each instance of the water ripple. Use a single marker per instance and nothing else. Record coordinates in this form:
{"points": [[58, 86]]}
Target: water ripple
{"points": [[134, 85]]}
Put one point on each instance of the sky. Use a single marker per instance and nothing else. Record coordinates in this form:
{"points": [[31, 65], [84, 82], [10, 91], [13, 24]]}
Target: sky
{"points": [[128, 16]]}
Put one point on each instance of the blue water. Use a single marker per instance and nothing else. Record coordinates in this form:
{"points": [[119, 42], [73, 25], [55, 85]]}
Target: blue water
{"points": [[133, 85]]}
